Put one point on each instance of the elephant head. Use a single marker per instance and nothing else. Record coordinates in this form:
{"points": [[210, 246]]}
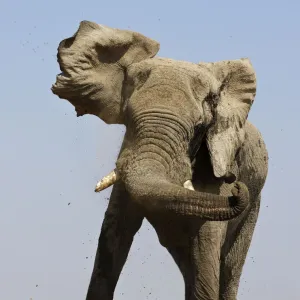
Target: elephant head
{"points": [[163, 103]]}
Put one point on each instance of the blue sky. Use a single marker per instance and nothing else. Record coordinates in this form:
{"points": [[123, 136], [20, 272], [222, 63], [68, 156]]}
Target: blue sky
{"points": [[49, 158]]}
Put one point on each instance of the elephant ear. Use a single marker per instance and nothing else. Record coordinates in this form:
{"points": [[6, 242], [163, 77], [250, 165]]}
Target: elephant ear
{"points": [[93, 64], [236, 85]]}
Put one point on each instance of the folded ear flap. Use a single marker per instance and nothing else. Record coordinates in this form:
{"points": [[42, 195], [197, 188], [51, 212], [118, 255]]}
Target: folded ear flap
{"points": [[237, 88], [94, 62]]}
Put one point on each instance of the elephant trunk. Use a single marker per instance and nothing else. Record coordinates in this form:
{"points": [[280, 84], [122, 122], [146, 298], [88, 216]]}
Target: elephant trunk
{"points": [[154, 176], [158, 195]]}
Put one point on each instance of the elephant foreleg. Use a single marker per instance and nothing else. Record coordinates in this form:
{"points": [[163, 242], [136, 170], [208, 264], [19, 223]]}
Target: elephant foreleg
{"points": [[199, 261], [181, 257], [235, 250], [122, 220]]}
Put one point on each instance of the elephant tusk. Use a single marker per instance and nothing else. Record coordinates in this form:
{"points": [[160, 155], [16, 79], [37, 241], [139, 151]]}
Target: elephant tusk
{"points": [[107, 181], [188, 185]]}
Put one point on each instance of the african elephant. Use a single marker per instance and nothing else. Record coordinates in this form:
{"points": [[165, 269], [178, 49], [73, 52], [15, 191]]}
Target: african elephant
{"points": [[190, 163]]}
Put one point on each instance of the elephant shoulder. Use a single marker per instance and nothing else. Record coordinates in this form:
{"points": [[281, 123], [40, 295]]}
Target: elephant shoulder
{"points": [[252, 159]]}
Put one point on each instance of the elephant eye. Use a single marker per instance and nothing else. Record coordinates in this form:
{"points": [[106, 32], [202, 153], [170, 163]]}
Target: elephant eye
{"points": [[212, 99], [141, 78]]}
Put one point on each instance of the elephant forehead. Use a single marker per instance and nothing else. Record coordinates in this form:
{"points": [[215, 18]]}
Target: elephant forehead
{"points": [[183, 74]]}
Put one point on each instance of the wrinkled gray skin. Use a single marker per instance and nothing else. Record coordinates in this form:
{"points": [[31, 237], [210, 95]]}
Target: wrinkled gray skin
{"points": [[170, 109]]}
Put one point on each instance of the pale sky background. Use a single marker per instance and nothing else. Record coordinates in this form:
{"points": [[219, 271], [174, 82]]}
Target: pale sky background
{"points": [[49, 158]]}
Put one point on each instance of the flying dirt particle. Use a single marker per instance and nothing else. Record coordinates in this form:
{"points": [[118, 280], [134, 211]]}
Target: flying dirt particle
{"points": [[69, 203]]}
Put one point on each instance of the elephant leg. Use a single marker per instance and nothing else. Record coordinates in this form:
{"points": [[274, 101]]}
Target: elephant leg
{"points": [[235, 249], [121, 222], [199, 262], [181, 256]]}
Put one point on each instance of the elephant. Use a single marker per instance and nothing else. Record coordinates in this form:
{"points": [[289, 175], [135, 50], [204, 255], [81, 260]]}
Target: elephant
{"points": [[190, 163]]}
